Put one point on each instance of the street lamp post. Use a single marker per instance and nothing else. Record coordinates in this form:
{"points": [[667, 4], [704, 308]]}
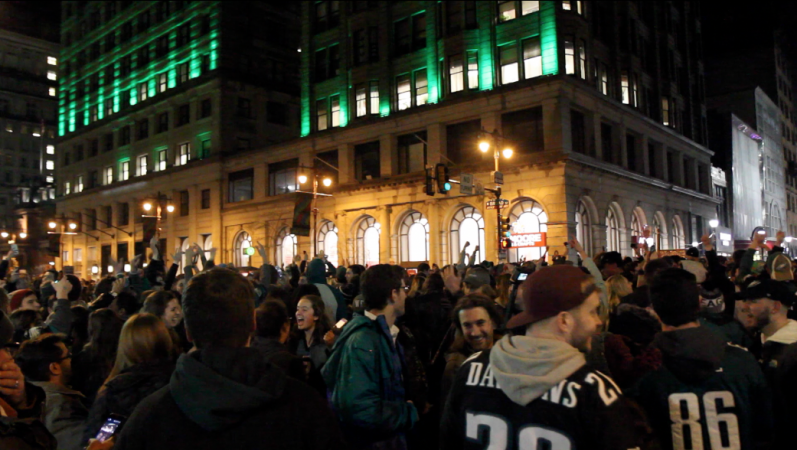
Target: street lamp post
{"points": [[494, 140], [327, 182]]}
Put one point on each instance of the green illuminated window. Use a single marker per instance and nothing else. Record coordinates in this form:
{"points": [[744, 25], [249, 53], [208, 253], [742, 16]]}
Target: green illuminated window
{"points": [[403, 94], [163, 78], [570, 57], [473, 70], [162, 161], [532, 58], [182, 73], [334, 102], [124, 171], [142, 165], [183, 154], [456, 75], [361, 100], [421, 88], [506, 11], [509, 64], [321, 115], [142, 91]]}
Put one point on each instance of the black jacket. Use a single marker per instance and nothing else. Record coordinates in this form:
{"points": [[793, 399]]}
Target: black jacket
{"points": [[230, 398], [277, 353], [88, 373], [125, 391]]}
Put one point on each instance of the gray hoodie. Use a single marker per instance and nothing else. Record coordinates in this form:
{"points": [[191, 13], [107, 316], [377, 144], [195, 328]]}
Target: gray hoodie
{"points": [[527, 367]]}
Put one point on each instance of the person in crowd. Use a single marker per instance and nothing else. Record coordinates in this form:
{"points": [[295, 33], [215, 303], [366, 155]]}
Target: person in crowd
{"points": [[125, 305], [701, 376], [766, 302], [475, 278], [79, 335], [4, 302], [364, 371], [166, 305], [424, 269], [23, 320], [143, 365], [617, 287], [641, 295], [626, 347], [92, 365], [46, 361], [476, 321], [243, 399], [24, 299], [611, 263], [538, 387], [416, 286], [334, 302], [313, 329], [273, 331]]}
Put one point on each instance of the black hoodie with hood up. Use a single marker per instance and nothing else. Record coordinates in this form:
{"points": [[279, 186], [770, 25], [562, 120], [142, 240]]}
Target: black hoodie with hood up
{"points": [[230, 398], [706, 394]]}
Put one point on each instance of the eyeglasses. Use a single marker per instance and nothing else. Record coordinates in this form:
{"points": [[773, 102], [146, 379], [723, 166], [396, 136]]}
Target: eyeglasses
{"points": [[68, 356], [406, 288]]}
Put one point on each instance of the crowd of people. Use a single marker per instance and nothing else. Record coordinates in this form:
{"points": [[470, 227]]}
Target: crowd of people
{"points": [[579, 351]]}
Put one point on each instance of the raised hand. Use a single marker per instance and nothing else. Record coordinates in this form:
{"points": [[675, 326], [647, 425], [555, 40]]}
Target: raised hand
{"points": [[118, 286], [706, 240], [136, 263], [452, 281], [62, 288], [261, 250], [177, 255]]}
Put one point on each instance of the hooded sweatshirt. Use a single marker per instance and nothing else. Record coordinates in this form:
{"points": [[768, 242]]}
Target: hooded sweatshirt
{"points": [[334, 302], [699, 371], [218, 396], [541, 388]]}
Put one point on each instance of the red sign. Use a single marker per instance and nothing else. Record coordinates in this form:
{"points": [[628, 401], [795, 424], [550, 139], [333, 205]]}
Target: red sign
{"points": [[526, 240]]}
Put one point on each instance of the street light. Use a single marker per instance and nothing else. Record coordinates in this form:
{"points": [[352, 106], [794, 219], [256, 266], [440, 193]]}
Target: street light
{"points": [[302, 179], [147, 206], [713, 223], [23, 235], [484, 146], [508, 153], [95, 270], [4, 234], [327, 182], [52, 225], [170, 208], [72, 225]]}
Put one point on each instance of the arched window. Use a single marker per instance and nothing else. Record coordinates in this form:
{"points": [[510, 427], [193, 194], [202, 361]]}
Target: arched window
{"points": [[659, 232], [583, 227], [637, 223], [184, 245], [367, 233], [328, 241], [414, 238], [612, 232], [286, 247], [242, 241], [467, 226], [677, 233], [207, 244], [774, 222], [527, 216]]}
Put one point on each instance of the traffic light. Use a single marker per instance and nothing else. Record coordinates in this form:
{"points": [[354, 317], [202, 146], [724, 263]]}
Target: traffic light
{"points": [[506, 227], [429, 182], [441, 171], [506, 243]]}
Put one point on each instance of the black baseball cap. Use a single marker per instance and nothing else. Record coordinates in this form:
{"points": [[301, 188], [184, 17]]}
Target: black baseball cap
{"points": [[778, 291], [693, 252]]}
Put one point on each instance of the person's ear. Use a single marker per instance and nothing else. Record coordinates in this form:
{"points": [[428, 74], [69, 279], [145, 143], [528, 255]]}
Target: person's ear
{"points": [[55, 369], [565, 322], [188, 333]]}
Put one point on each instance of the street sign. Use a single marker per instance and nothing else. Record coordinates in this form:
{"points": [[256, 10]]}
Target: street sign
{"points": [[503, 203], [498, 177], [479, 188], [525, 240], [466, 184]]}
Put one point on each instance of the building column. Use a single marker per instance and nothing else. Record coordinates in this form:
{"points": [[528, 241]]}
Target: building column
{"points": [[436, 138], [594, 138], [346, 164], [387, 157], [383, 218], [643, 154], [432, 214], [621, 132]]}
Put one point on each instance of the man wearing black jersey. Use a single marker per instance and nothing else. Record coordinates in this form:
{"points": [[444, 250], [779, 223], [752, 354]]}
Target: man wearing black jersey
{"points": [[535, 391], [707, 394]]}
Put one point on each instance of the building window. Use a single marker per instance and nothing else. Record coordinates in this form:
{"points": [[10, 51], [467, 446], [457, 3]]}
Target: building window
{"points": [[625, 88], [604, 80], [403, 92], [582, 60], [205, 149], [506, 11], [124, 135], [107, 142], [374, 94], [205, 108], [467, 226], [93, 114], [576, 6], [184, 210], [183, 34], [182, 73], [51, 75], [241, 243], [50, 150], [612, 232], [183, 115], [527, 216], [163, 122], [414, 238], [241, 185], [570, 58], [412, 152], [205, 198], [327, 15], [509, 64], [665, 111], [143, 163], [52, 92], [162, 46], [367, 163], [583, 227], [124, 214], [183, 154], [529, 7], [162, 82], [419, 31], [244, 108], [322, 122], [49, 165], [473, 70], [334, 102], [361, 100], [532, 58], [142, 91], [456, 74], [367, 235], [108, 175], [328, 241], [143, 129], [421, 88], [282, 177], [161, 166], [124, 171], [242, 144], [51, 60]]}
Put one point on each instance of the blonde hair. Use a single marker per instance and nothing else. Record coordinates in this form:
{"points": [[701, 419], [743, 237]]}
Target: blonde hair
{"points": [[617, 287], [144, 338]]}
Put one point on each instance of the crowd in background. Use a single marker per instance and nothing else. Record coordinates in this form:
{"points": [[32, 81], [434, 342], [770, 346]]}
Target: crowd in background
{"points": [[596, 351]]}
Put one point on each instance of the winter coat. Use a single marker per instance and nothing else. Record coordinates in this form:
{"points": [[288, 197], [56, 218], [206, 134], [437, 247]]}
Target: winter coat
{"points": [[221, 397], [277, 353], [64, 414], [88, 373], [125, 391], [699, 371], [364, 379]]}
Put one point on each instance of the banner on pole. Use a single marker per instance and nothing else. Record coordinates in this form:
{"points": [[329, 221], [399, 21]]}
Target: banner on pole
{"points": [[526, 240], [302, 212]]}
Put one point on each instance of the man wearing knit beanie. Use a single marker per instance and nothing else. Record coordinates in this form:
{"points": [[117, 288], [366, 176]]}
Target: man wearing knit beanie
{"points": [[539, 386]]}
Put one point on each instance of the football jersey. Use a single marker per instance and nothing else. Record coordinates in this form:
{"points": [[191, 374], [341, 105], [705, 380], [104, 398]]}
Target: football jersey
{"points": [[586, 410], [730, 409]]}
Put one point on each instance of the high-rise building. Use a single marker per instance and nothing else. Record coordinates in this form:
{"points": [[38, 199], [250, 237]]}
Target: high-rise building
{"points": [[151, 95], [601, 103], [29, 71], [743, 69]]}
